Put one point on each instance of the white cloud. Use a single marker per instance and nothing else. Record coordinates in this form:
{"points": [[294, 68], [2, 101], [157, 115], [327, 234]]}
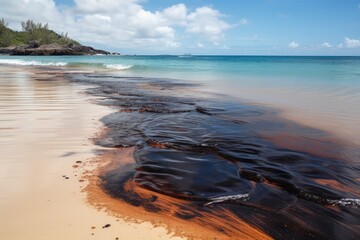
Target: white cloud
{"points": [[293, 45], [351, 43], [21, 10], [207, 22], [120, 23], [244, 21], [326, 45], [176, 14], [104, 6]]}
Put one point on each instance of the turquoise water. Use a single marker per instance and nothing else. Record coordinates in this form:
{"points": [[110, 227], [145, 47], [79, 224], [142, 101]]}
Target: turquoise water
{"points": [[283, 70], [280, 66], [325, 70], [316, 90]]}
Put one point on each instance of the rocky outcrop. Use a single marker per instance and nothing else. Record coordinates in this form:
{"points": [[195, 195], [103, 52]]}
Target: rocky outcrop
{"points": [[6, 50], [55, 49]]}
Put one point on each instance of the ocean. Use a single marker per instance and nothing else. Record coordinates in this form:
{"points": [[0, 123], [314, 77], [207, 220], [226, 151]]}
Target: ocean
{"points": [[322, 92], [228, 142]]}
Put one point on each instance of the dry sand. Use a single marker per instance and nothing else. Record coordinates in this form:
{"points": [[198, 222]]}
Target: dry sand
{"points": [[45, 128]]}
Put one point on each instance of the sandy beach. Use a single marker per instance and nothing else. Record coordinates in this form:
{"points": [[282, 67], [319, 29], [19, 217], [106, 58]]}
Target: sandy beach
{"points": [[46, 131]]}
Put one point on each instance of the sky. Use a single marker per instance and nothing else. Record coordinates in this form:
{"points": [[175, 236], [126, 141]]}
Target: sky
{"points": [[218, 27]]}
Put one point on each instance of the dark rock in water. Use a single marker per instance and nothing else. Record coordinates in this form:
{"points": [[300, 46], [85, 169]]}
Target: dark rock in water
{"points": [[35, 49]]}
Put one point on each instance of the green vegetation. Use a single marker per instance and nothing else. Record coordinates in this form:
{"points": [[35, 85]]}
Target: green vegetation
{"points": [[32, 33]]}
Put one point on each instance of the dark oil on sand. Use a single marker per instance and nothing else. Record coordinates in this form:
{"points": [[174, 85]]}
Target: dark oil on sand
{"points": [[219, 163]]}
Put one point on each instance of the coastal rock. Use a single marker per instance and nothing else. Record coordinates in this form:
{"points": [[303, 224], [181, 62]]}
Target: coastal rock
{"points": [[6, 50], [55, 49], [34, 44]]}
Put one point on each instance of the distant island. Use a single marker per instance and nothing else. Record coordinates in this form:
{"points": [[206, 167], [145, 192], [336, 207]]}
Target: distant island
{"points": [[38, 39]]}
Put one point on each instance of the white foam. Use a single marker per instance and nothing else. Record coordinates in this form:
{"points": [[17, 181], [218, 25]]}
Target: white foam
{"points": [[349, 202], [242, 197], [118, 66], [30, 63]]}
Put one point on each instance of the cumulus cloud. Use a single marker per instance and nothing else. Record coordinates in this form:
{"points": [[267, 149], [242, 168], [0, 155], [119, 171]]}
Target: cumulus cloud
{"points": [[16, 11], [207, 22], [176, 14], [351, 43], [293, 45], [120, 23], [326, 45], [103, 6]]}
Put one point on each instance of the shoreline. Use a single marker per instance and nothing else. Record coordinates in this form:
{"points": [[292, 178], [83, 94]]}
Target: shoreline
{"points": [[184, 228], [167, 214], [42, 180]]}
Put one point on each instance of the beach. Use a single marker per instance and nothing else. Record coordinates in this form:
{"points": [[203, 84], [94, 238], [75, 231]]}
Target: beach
{"points": [[47, 127], [179, 120], [103, 151]]}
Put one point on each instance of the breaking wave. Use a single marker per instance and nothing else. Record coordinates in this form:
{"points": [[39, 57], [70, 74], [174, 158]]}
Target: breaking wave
{"points": [[20, 62], [118, 66], [31, 63]]}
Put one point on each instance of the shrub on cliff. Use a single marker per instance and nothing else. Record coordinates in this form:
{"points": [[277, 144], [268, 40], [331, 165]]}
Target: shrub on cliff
{"points": [[32, 32]]}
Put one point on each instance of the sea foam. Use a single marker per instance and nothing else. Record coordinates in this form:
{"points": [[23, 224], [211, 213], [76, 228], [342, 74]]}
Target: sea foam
{"points": [[30, 63], [118, 66]]}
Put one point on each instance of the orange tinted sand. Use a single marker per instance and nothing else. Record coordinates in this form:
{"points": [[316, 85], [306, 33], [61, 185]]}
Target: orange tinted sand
{"points": [[208, 225]]}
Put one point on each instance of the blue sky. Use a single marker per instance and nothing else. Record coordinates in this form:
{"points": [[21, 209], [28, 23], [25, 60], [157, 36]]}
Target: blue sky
{"points": [[265, 27]]}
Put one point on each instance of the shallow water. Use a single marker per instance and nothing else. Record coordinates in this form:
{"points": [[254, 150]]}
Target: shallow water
{"points": [[321, 92], [229, 159]]}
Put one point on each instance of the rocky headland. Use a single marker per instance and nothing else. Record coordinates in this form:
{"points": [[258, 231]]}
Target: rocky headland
{"points": [[54, 49], [38, 39]]}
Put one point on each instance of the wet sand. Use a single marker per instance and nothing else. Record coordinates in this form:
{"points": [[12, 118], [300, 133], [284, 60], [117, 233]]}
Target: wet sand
{"points": [[46, 130]]}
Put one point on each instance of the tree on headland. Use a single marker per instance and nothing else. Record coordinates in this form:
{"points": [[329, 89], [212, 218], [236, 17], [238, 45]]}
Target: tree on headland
{"points": [[5, 39], [36, 31], [32, 33], [3, 25], [42, 34]]}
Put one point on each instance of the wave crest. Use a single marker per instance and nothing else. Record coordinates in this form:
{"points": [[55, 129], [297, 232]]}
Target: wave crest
{"points": [[118, 66], [30, 63]]}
